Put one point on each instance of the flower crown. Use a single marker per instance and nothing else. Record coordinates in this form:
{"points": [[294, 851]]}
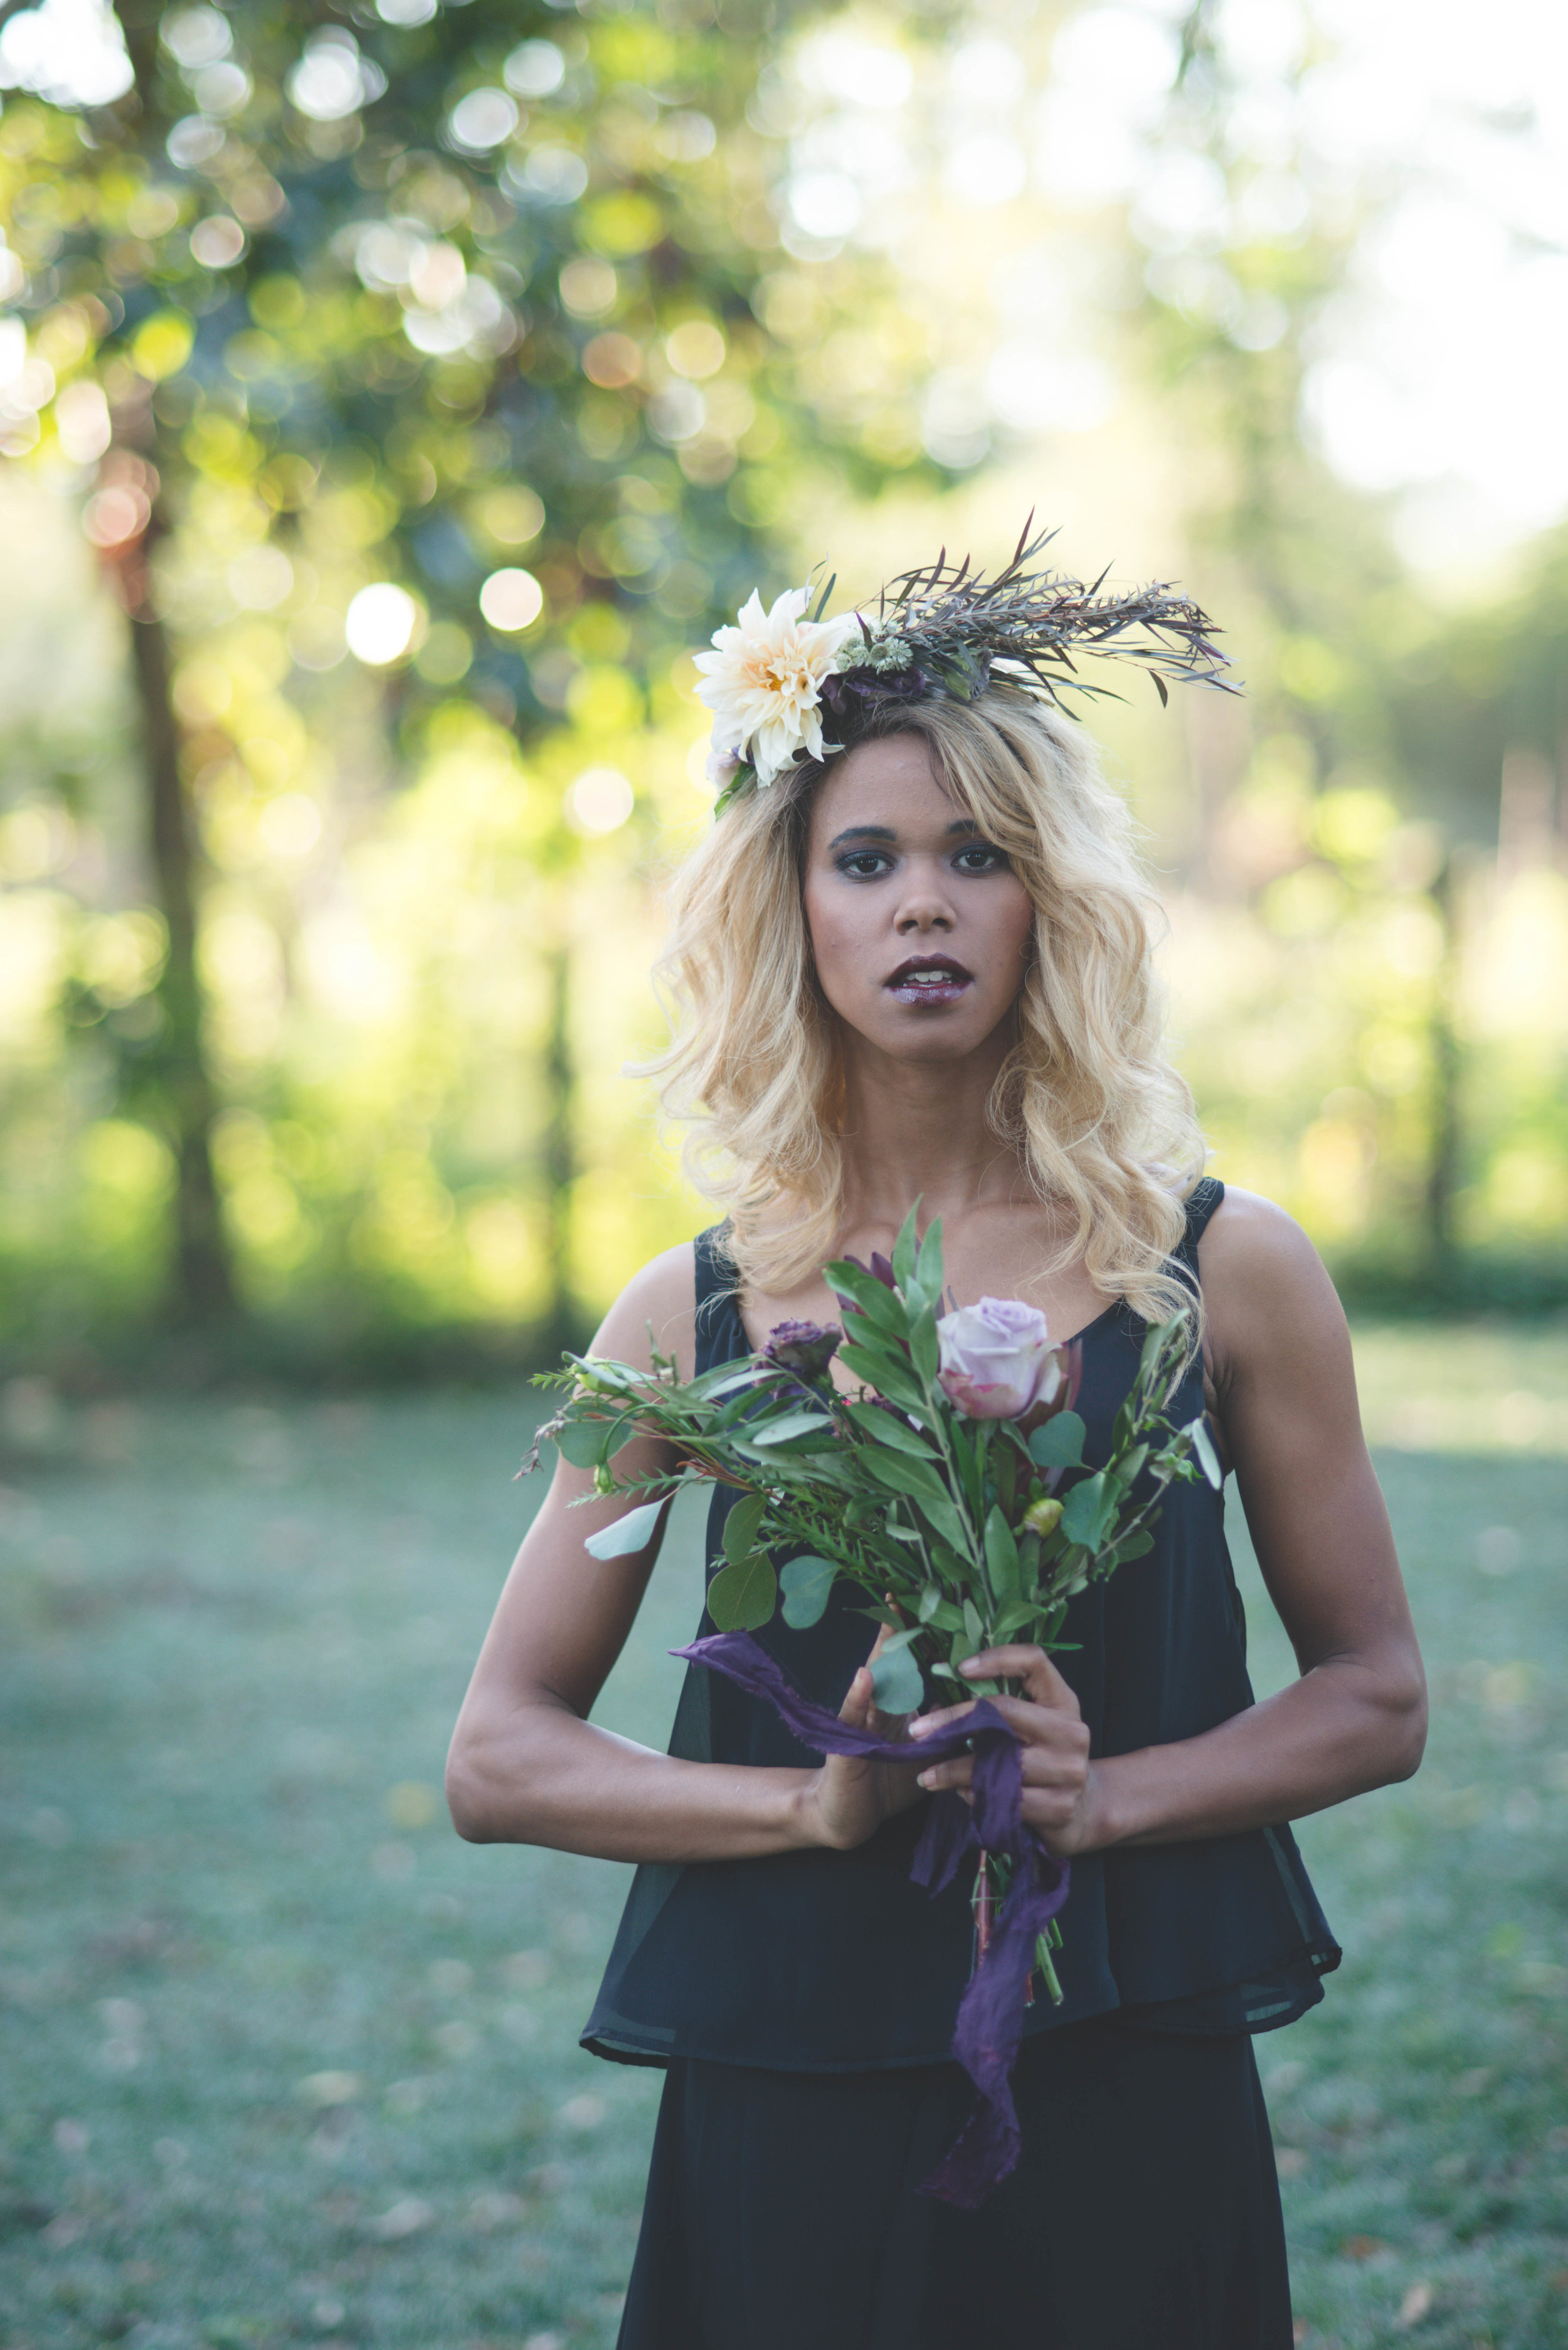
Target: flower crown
{"points": [[941, 633]]}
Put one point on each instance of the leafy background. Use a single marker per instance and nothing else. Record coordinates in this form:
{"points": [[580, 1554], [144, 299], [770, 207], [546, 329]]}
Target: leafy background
{"points": [[325, 927]]}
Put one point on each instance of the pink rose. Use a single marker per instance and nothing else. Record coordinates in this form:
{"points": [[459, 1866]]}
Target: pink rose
{"points": [[997, 1360]]}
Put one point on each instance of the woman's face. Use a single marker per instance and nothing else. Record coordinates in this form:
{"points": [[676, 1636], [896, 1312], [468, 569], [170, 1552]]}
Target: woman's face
{"points": [[919, 928]]}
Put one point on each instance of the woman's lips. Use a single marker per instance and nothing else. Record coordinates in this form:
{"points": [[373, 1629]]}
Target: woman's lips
{"points": [[940, 980]]}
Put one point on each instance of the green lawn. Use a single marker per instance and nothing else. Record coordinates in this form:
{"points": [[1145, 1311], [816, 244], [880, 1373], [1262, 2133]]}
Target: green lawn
{"points": [[285, 2062]]}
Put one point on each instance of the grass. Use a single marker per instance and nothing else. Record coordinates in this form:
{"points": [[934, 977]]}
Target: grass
{"points": [[285, 2062]]}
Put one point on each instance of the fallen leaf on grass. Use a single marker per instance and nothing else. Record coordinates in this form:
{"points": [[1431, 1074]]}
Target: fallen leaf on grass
{"points": [[406, 2218], [1414, 2306], [1362, 2247], [331, 2088]]}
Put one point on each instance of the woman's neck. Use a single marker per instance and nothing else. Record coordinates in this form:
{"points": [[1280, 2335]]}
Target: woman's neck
{"points": [[918, 1130]]}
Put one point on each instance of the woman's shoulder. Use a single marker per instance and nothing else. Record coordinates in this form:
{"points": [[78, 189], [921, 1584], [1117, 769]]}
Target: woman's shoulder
{"points": [[1266, 1287], [658, 1309]]}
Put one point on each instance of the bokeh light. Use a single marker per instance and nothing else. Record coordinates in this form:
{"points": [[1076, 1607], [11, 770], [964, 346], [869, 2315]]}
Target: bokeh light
{"points": [[600, 801], [511, 599], [380, 623]]}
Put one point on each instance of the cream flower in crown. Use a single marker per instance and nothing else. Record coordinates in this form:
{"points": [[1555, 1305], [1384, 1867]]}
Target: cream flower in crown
{"points": [[763, 681]]}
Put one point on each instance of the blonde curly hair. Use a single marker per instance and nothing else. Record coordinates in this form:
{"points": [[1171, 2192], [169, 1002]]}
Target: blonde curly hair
{"points": [[1105, 1126]]}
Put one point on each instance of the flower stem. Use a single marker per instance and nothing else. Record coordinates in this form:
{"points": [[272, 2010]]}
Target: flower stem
{"points": [[1046, 1968]]}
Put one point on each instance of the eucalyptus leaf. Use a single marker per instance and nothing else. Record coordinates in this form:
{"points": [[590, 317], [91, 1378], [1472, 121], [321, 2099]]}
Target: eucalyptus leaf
{"points": [[741, 1598], [1060, 1443], [931, 1599], [623, 1537], [807, 1584], [1203, 1445], [740, 1534], [582, 1441], [1086, 1510], [896, 1681]]}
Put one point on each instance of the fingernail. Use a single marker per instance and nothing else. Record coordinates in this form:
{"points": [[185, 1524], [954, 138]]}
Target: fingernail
{"points": [[925, 1779]]}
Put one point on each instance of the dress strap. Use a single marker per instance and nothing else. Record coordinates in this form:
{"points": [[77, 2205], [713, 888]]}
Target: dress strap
{"points": [[1201, 1202], [720, 1334]]}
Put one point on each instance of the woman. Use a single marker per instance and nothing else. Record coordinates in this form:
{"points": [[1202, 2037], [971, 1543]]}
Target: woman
{"points": [[915, 965]]}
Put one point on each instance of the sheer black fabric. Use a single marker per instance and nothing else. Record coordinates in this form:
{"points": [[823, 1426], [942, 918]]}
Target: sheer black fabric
{"points": [[826, 1962]]}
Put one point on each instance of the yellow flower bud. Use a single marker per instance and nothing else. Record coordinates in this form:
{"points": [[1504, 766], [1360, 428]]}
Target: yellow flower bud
{"points": [[1043, 1517]]}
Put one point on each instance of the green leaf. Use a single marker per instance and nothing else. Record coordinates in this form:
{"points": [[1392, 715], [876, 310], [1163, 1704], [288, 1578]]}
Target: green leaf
{"points": [[807, 1582], [972, 1625], [1203, 1445], [1087, 1508], [896, 1681], [741, 1598], [1060, 1443], [901, 1638], [890, 1377], [906, 1250], [928, 1266], [792, 1424], [887, 1428], [624, 1536], [1023, 1612], [1001, 1555], [902, 1475], [871, 1297], [582, 1441], [740, 1534], [923, 1346], [1136, 1546], [1129, 1466]]}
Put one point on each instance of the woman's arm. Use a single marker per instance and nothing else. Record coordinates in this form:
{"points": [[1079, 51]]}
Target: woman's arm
{"points": [[1283, 1392], [526, 1765]]}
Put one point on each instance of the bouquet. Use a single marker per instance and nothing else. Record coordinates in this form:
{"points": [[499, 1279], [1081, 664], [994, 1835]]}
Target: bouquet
{"points": [[954, 1491]]}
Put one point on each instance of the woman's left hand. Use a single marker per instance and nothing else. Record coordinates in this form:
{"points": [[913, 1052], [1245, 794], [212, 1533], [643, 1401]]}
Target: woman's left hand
{"points": [[1060, 1785]]}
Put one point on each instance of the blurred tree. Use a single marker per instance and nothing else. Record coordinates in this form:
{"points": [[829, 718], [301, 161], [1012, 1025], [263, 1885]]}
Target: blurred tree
{"points": [[426, 330]]}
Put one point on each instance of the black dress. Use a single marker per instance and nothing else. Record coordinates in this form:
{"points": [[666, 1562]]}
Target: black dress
{"points": [[803, 2005]]}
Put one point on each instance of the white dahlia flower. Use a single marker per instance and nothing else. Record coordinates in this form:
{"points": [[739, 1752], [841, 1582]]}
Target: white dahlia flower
{"points": [[762, 680]]}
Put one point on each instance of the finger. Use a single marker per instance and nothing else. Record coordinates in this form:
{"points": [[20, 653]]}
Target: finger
{"points": [[943, 1719], [958, 1772], [857, 1699], [1042, 1681]]}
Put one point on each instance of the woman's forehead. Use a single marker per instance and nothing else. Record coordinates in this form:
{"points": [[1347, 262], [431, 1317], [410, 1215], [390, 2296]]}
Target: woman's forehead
{"points": [[893, 784]]}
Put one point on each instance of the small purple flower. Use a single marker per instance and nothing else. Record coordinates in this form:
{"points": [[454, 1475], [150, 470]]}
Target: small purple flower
{"points": [[853, 691], [806, 1348], [879, 1269]]}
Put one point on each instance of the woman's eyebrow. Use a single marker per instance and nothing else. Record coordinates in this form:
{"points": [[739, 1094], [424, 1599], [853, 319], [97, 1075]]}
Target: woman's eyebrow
{"points": [[886, 831]]}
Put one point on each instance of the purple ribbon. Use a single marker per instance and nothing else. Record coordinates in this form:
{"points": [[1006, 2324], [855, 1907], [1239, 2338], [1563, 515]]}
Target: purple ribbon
{"points": [[991, 2017]]}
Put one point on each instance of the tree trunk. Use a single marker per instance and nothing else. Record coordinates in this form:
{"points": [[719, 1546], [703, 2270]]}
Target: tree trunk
{"points": [[560, 1328], [1445, 1138], [200, 1288]]}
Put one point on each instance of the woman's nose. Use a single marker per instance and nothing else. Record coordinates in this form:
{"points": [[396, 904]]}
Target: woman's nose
{"points": [[921, 912]]}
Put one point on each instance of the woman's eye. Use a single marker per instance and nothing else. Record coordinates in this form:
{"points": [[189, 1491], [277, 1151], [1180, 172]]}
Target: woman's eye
{"points": [[982, 858], [864, 866]]}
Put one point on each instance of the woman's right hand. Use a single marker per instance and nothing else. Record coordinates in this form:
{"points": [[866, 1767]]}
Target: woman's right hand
{"points": [[847, 1800]]}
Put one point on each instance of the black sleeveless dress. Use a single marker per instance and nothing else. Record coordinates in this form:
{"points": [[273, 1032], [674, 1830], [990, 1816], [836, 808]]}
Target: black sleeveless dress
{"points": [[803, 2005]]}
